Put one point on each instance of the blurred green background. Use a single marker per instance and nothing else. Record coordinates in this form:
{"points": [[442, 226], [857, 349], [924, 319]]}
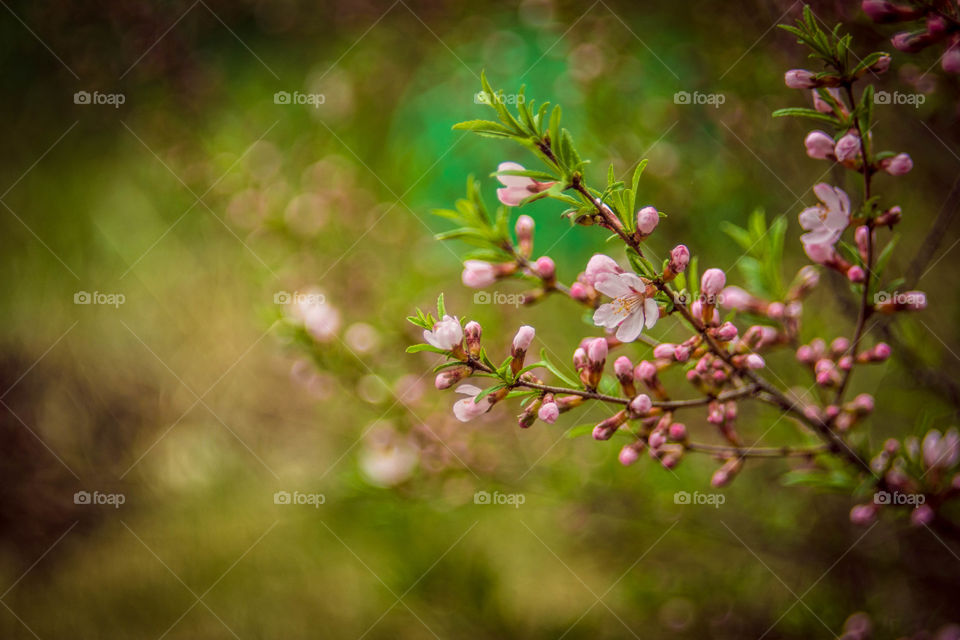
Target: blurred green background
{"points": [[201, 200]]}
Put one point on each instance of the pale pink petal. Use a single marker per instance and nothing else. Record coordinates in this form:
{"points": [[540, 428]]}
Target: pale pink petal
{"points": [[651, 312], [631, 327], [613, 285], [609, 315], [810, 218], [512, 181], [633, 281]]}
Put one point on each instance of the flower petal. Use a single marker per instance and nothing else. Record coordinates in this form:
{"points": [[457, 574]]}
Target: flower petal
{"points": [[613, 285], [651, 312], [631, 328], [609, 315], [512, 181]]}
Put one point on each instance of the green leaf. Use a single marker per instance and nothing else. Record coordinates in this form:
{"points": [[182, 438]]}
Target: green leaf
{"points": [[552, 368], [803, 112], [485, 127], [441, 308], [417, 348]]}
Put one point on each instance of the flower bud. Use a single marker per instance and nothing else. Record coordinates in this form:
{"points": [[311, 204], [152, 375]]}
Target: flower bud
{"points": [[678, 432], [712, 282], [546, 268], [579, 292], [819, 145], [641, 405], [521, 341], [863, 403], [478, 274], [799, 79], [524, 229], [922, 515], [449, 377], [898, 165], [726, 332], [549, 412], [597, 352], [681, 353], [951, 58], [912, 42], [679, 259], [847, 147], [646, 371], [473, 331], [657, 440], [623, 368], [647, 220], [605, 429], [737, 298], [882, 64], [664, 351], [856, 274], [580, 359], [754, 361], [630, 454], [806, 355], [863, 514], [885, 11]]}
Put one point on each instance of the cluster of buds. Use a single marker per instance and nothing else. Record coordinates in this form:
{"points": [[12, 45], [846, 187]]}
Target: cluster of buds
{"points": [[478, 274], [847, 150], [829, 364], [932, 27], [919, 475]]}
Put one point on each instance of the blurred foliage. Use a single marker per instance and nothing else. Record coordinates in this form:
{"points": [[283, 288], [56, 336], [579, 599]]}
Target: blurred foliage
{"points": [[200, 199]]}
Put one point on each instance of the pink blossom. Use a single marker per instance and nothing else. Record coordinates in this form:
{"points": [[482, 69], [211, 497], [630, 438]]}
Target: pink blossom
{"points": [[549, 412], [630, 311], [446, 334], [736, 298], [521, 341], [647, 220], [847, 147], [478, 274], [467, 408], [819, 144], [799, 79], [898, 165], [517, 188], [712, 282], [600, 266], [826, 221]]}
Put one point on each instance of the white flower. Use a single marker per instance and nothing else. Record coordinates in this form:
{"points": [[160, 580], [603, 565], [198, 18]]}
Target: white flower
{"points": [[631, 310], [446, 334], [825, 222], [467, 409]]}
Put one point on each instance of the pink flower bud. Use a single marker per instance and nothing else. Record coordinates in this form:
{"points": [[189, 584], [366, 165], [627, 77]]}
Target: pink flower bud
{"points": [[647, 220], [847, 147], [922, 515], [861, 236], [664, 351], [912, 42], [856, 274], [597, 352], [845, 363], [580, 359], [727, 331], [737, 298], [696, 310], [681, 353], [881, 352], [448, 378], [656, 440], [579, 291], [524, 227], [447, 334], [886, 11], [951, 58], [799, 79], [712, 282], [478, 274], [819, 144], [898, 165], [623, 368], [806, 355], [882, 64], [775, 310], [641, 405], [546, 268], [863, 403], [549, 412], [678, 432], [840, 345], [679, 258], [521, 341], [628, 455], [754, 361], [646, 371], [863, 514]]}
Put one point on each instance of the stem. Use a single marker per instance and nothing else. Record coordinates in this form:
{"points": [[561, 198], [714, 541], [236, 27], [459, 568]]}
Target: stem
{"points": [[756, 452]]}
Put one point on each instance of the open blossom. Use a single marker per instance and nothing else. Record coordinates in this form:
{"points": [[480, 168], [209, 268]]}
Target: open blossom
{"points": [[517, 188], [600, 266], [446, 334], [630, 311], [941, 451], [466, 409], [826, 221]]}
